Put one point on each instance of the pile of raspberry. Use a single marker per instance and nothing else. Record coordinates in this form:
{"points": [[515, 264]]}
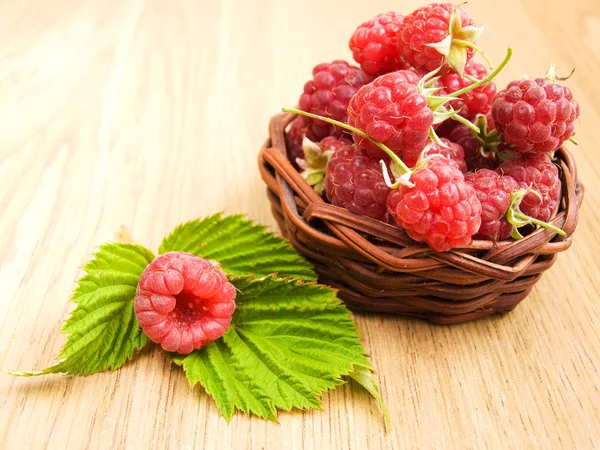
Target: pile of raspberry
{"points": [[414, 139]]}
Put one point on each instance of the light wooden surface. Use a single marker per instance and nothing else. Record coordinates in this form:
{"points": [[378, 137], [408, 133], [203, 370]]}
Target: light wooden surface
{"points": [[150, 113]]}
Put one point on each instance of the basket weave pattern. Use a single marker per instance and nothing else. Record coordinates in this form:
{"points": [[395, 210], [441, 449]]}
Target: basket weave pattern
{"points": [[378, 268]]}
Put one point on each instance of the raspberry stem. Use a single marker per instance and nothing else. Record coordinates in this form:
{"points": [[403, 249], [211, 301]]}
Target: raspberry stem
{"points": [[485, 80], [517, 219], [382, 146], [464, 121], [540, 223]]}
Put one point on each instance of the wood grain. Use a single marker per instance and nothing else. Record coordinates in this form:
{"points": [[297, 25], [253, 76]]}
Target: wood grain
{"points": [[149, 113]]}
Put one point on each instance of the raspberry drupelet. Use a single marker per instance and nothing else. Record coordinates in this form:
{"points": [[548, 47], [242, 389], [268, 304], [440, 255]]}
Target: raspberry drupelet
{"points": [[183, 302]]}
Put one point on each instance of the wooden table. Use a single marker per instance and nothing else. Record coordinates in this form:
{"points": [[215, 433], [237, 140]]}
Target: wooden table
{"points": [[150, 113]]}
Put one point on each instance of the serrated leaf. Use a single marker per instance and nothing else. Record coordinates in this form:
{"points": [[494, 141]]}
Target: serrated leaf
{"points": [[103, 331], [288, 343], [240, 246]]}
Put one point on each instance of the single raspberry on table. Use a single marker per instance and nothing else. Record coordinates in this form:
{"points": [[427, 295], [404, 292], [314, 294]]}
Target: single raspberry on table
{"points": [[354, 181], [373, 44], [494, 192], [453, 151], [477, 101], [440, 209], [436, 33], [391, 110], [183, 302], [535, 116], [328, 95], [540, 174]]}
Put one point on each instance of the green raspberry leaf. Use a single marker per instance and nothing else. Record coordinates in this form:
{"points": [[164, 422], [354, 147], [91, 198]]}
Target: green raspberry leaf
{"points": [[103, 331], [288, 342], [240, 246]]}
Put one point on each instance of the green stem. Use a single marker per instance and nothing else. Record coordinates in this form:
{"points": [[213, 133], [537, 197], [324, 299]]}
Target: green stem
{"points": [[540, 223], [485, 80], [464, 121], [345, 126]]}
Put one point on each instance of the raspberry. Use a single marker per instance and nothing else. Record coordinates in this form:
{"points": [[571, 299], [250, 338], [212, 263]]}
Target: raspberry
{"points": [[393, 111], [489, 162], [540, 174], [294, 137], [183, 302], [373, 44], [493, 191], [355, 181], [461, 134], [430, 25], [333, 143], [534, 116], [329, 93], [455, 153], [441, 209], [477, 101]]}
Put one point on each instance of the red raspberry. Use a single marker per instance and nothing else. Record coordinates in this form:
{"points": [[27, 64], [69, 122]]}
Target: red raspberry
{"points": [[373, 44], [294, 137], [333, 143], [493, 191], [183, 302], [355, 181], [455, 153], [328, 95], [441, 209], [534, 116], [489, 162], [461, 134], [393, 111], [429, 25], [477, 101], [540, 174]]}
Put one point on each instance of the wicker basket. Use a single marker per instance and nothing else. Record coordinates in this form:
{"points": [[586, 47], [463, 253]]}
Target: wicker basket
{"points": [[378, 268]]}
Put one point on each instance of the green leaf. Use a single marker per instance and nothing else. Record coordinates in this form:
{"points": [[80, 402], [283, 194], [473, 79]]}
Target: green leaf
{"points": [[364, 376], [240, 246], [289, 342], [103, 331]]}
